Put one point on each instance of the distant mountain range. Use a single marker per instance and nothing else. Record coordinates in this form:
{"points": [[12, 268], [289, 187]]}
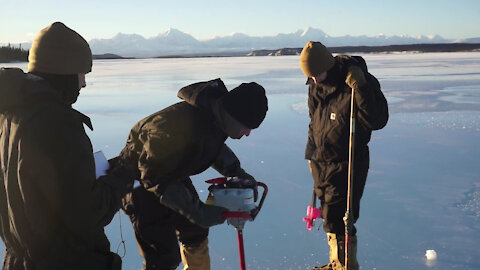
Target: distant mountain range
{"points": [[174, 42]]}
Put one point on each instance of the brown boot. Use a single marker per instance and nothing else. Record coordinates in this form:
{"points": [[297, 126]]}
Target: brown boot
{"points": [[337, 253], [195, 257]]}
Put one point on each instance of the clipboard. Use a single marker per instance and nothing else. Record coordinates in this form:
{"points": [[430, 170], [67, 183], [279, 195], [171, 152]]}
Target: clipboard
{"points": [[101, 164]]}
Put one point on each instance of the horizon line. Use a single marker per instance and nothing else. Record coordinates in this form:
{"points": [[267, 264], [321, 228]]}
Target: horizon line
{"points": [[429, 36]]}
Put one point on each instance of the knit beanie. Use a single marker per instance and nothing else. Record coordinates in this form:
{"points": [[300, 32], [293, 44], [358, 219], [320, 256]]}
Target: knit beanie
{"points": [[247, 103], [315, 59], [58, 49]]}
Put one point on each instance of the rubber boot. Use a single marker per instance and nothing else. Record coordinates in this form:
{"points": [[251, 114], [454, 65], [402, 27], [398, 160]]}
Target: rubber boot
{"points": [[195, 257], [352, 259], [337, 253]]}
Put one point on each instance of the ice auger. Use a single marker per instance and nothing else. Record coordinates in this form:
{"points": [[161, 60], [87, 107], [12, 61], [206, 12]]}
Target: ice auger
{"points": [[240, 203]]}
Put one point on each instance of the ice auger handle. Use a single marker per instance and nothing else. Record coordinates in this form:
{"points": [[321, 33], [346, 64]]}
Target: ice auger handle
{"points": [[253, 214], [255, 211], [219, 181], [312, 214], [244, 215]]}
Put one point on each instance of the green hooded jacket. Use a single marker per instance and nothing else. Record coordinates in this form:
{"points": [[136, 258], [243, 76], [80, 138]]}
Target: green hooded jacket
{"points": [[183, 139], [52, 208]]}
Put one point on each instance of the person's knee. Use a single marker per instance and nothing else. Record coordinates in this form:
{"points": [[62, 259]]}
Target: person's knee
{"points": [[190, 234], [333, 214], [194, 239]]}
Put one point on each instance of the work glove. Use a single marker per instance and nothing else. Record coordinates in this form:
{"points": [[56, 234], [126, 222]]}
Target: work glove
{"points": [[355, 77], [244, 180], [178, 198], [120, 175]]}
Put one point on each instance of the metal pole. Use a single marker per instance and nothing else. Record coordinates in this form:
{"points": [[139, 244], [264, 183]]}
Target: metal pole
{"points": [[241, 251], [313, 202], [348, 218]]}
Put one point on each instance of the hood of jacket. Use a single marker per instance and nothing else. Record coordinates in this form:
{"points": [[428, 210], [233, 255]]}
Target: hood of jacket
{"points": [[19, 89], [206, 96], [203, 95]]}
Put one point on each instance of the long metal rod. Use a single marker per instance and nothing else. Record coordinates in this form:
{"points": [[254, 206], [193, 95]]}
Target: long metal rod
{"points": [[241, 251], [313, 202], [348, 219]]}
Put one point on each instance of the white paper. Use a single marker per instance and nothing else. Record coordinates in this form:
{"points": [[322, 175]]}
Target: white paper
{"points": [[101, 164]]}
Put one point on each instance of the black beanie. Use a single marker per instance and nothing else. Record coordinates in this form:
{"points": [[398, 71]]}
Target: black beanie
{"points": [[247, 103]]}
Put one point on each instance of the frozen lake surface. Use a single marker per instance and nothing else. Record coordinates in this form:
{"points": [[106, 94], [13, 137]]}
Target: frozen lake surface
{"points": [[423, 189]]}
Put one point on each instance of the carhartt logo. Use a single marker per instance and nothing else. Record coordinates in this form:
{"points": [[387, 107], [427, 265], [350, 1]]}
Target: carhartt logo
{"points": [[332, 116]]}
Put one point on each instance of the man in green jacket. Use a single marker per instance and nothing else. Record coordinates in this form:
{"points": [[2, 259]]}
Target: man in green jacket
{"points": [[173, 144], [52, 207], [330, 83]]}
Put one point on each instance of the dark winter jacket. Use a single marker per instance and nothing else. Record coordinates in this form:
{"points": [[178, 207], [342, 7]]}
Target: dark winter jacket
{"points": [[52, 209], [329, 109], [181, 140]]}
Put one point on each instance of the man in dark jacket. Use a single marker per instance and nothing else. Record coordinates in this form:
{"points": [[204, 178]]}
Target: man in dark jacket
{"points": [[330, 82], [173, 144], [52, 209]]}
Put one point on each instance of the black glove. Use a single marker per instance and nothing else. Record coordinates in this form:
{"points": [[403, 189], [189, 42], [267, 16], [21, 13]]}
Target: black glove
{"points": [[119, 175], [244, 180], [178, 198], [355, 77]]}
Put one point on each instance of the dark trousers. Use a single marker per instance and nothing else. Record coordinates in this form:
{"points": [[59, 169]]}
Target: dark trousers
{"points": [[17, 261], [158, 229], [330, 185]]}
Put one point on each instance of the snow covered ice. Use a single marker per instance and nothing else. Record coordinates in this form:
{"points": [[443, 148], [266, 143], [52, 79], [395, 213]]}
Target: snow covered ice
{"points": [[423, 189]]}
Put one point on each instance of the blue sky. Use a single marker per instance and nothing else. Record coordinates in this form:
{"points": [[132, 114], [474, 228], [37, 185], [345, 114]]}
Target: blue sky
{"points": [[20, 20]]}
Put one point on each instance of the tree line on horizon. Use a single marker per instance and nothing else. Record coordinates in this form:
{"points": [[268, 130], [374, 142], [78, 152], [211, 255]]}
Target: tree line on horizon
{"points": [[9, 54]]}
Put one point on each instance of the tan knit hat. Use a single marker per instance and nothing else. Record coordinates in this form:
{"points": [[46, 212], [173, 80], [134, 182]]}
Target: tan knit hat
{"points": [[315, 59], [58, 49]]}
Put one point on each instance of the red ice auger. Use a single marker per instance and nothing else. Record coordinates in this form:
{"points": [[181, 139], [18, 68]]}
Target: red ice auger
{"points": [[240, 201]]}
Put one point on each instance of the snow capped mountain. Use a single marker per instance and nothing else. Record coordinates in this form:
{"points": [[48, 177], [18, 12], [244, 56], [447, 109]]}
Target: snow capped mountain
{"points": [[310, 33], [171, 41], [122, 44], [175, 37], [174, 41], [133, 38]]}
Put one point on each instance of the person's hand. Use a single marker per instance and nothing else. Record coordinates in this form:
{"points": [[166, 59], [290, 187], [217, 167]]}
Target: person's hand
{"points": [[180, 199], [355, 77], [119, 175], [209, 215], [310, 166]]}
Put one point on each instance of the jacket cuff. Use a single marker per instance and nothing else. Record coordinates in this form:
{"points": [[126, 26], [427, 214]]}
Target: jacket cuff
{"points": [[309, 149]]}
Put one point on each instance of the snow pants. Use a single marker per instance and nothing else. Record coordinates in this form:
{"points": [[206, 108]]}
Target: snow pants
{"points": [[330, 185], [158, 229]]}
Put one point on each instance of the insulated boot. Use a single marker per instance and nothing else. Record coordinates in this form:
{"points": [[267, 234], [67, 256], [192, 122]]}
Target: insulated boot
{"points": [[195, 257], [337, 253]]}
